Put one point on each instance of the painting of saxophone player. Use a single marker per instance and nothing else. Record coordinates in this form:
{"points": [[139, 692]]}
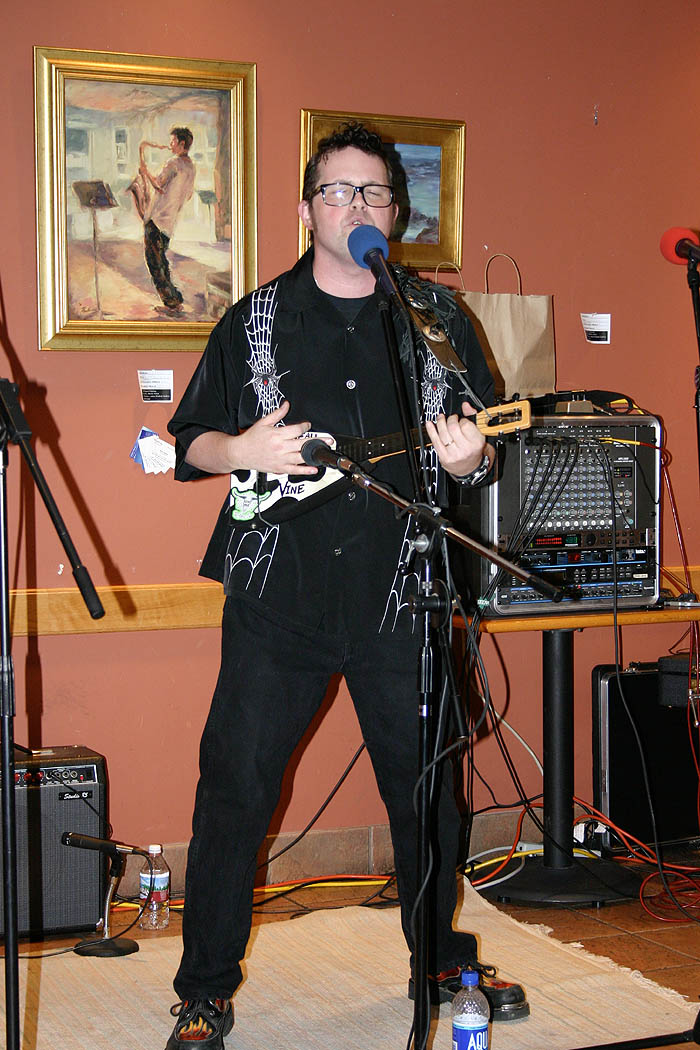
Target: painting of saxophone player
{"points": [[165, 251], [159, 200]]}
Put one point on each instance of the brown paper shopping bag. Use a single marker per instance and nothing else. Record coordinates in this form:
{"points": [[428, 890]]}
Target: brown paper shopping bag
{"points": [[516, 333]]}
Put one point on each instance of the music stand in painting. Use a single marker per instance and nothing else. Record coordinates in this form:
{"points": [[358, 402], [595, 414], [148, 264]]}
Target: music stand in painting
{"points": [[96, 196]]}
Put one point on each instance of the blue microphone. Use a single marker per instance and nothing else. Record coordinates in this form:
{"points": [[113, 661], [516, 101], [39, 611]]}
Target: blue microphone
{"points": [[365, 241], [370, 249]]}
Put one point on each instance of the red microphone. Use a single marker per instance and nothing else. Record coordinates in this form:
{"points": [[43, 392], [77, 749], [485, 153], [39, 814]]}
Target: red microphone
{"points": [[679, 245]]}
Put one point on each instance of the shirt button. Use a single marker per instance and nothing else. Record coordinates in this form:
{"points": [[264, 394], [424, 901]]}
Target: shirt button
{"points": [[350, 328], [338, 551], [351, 495], [350, 384]]}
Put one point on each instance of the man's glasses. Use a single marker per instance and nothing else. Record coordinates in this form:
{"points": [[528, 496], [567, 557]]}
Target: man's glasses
{"points": [[338, 194]]}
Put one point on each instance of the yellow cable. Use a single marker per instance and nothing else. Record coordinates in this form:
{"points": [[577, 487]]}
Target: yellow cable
{"points": [[283, 887], [313, 883]]}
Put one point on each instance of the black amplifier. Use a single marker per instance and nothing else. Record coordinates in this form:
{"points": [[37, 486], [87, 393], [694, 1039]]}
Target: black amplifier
{"points": [[662, 731], [576, 501], [58, 789]]}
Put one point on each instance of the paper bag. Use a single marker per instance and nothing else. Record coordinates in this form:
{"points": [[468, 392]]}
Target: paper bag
{"points": [[516, 333]]}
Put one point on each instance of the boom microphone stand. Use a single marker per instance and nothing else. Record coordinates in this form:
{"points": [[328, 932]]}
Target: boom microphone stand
{"points": [[371, 253], [14, 427], [369, 249], [432, 525]]}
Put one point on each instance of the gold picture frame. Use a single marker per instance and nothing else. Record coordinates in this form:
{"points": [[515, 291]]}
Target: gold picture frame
{"points": [[102, 122], [428, 154]]}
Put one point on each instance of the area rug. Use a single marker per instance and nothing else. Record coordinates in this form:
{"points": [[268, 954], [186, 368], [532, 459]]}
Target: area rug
{"points": [[338, 979]]}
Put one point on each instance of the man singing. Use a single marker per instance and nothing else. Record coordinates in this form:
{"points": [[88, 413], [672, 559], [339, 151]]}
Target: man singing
{"points": [[325, 592]]}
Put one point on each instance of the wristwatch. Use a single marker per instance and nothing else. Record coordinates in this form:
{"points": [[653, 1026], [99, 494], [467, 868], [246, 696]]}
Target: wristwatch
{"points": [[478, 474]]}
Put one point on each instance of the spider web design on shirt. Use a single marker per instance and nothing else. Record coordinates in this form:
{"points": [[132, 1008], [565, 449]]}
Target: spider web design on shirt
{"points": [[256, 547], [266, 379], [255, 551], [434, 388]]}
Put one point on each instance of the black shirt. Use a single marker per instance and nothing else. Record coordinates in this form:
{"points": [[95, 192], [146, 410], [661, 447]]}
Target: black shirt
{"points": [[337, 567]]}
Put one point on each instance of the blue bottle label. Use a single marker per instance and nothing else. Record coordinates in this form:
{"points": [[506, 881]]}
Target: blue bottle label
{"points": [[464, 1038]]}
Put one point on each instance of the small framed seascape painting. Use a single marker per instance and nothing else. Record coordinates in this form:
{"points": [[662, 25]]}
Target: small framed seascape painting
{"points": [[426, 158]]}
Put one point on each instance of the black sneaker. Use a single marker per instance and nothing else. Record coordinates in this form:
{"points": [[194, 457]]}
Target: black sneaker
{"points": [[506, 999], [201, 1024]]}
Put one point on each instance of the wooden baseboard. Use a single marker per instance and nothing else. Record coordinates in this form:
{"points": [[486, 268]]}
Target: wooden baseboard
{"points": [[149, 607], [146, 607]]}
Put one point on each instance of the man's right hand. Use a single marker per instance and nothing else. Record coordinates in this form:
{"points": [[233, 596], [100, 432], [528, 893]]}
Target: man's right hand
{"points": [[265, 446], [271, 448]]}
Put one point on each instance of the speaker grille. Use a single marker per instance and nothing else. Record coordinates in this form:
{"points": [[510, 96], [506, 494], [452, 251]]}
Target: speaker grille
{"points": [[58, 887]]}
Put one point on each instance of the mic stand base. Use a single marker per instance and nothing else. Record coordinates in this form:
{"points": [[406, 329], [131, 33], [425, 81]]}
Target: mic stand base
{"points": [[108, 946]]}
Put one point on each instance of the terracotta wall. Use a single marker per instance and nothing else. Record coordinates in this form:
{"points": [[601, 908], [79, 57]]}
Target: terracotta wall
{"points": [[581, 150]]}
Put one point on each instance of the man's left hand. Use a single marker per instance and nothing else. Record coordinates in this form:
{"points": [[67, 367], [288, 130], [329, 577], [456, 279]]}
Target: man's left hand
{"points": [[459, 444]]}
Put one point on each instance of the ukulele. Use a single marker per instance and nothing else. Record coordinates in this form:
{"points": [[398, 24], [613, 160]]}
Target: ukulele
{"points": [[273, 498]]}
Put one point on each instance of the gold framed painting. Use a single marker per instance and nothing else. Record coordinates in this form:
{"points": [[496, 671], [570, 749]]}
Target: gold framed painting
{"points": [[427, 162], [146, 197]]}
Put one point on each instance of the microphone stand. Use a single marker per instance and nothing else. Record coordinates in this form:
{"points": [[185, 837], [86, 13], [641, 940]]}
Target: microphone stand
{"points": [[108, 947], [432, 525], [428, 602], [694, 285], [421, 1008], [14, 427], [421, 1015]]}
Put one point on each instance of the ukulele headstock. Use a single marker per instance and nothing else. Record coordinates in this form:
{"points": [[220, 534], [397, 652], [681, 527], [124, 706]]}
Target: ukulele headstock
{"points": [[504, 419]]}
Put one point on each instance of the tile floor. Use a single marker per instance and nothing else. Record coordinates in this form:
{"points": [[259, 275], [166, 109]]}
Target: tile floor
{"points": [[667, 953]]}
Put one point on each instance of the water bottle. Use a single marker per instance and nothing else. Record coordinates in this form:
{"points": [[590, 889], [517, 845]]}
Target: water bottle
{"points": [[155, 877], [470, 1015]]}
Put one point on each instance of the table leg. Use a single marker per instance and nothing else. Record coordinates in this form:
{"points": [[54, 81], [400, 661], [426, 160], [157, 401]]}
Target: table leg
{"points": [[557, 877]]}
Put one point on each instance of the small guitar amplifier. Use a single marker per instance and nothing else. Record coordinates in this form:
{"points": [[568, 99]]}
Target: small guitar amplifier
{"points": [[58, 789]]}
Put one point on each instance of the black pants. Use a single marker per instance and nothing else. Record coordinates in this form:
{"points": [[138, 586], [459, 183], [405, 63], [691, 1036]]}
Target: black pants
{"points": [[155, 246], [272, 681]]}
